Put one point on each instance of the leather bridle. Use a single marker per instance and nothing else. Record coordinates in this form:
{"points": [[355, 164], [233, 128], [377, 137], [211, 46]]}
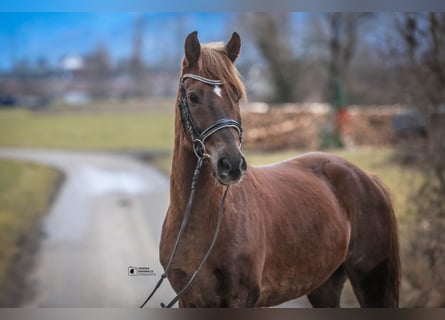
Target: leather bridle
{"points": [[198, 140]]}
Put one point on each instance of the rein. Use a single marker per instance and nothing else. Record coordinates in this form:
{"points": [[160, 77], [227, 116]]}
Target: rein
{"points": [[199, 149]]}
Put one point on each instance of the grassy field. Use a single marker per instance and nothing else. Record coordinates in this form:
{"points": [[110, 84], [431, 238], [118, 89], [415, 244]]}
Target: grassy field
{"points": [[142, 130], [25, 194]]}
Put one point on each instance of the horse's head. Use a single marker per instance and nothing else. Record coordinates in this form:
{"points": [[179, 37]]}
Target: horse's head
{"points": [[209, 105]]}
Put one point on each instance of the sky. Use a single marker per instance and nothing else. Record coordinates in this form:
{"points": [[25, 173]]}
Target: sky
{"points": [[52, 35], [33, 35]]}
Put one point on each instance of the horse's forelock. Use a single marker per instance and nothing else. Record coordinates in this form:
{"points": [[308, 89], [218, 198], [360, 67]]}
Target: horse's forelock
{"points": [[215, 64]]}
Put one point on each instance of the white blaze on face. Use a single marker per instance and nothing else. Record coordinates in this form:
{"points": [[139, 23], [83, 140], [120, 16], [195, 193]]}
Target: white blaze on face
{"points": [[217, 91]]}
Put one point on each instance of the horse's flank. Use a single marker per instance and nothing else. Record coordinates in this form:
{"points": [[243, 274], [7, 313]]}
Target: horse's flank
{"points": [[305, 232]]}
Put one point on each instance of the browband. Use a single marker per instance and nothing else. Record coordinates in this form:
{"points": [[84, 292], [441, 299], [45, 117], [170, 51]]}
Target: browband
{"points": [[202, 79]]}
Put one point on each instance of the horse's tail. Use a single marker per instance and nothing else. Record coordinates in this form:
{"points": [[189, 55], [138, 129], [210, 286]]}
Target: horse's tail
{"points": [[394, 268]]}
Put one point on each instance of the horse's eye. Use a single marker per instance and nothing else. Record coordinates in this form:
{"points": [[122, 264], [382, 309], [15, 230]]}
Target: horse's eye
{"points": [[193, 98]]}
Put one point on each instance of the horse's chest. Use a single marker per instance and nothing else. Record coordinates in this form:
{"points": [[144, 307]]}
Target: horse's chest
{"points": [[284, 285], [222, 282]]}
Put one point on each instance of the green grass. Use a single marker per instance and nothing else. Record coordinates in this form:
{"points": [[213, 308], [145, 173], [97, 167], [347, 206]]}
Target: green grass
{"points": [[25, 194], [110, 131]]}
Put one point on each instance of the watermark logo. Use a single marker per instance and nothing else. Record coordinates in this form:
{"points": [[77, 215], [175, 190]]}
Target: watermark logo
{"points": [[132, 271], [140, 271]]}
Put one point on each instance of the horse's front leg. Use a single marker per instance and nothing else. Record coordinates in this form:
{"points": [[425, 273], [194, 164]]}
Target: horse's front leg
{"points": [[245, 298], [237, 290]]}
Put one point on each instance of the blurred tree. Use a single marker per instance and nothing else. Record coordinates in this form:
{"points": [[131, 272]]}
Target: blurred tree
{"points": [[422, 58], [136, 57], [271, 34], [97, 71], [21, 67], [348, 67], [342, 38], [342, 42], [42, 66], [136, 64]]}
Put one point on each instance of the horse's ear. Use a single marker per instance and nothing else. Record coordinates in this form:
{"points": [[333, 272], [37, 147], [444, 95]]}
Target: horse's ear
{"points": [[233, 46], [192, 48]]}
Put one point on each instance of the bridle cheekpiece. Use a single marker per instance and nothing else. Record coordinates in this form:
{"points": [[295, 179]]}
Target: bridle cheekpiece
{"points": [[198, 138]]}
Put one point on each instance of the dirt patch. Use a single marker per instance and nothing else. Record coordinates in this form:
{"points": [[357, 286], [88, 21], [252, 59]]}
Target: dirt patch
{"points": [[17, 289]]}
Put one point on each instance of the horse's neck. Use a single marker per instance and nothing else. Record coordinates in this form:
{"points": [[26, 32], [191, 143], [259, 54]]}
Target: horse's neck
{"points": [[208, 192]]}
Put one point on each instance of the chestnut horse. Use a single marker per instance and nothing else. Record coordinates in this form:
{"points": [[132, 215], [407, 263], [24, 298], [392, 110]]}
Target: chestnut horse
{"points": [[294, 228]]}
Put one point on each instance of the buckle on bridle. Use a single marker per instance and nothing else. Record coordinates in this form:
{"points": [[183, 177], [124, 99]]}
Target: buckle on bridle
{"points": [[199, 149]]}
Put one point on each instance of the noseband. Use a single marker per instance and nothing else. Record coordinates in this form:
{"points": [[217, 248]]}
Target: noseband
{"points": [[198, 139]]}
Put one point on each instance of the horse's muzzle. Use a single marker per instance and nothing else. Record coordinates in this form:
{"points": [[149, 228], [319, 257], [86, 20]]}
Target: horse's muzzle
{"points": [[230, 169]]}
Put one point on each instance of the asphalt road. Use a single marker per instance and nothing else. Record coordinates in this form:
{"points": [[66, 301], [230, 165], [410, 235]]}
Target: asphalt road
{"points": [[106, 219]]}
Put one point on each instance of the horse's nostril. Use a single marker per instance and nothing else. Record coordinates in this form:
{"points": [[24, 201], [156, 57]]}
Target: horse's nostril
{"points": [[224, 165], [243, 164]]}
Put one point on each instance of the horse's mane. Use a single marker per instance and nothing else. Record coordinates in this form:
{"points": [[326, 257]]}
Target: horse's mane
{"points": [[214, 63]]}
